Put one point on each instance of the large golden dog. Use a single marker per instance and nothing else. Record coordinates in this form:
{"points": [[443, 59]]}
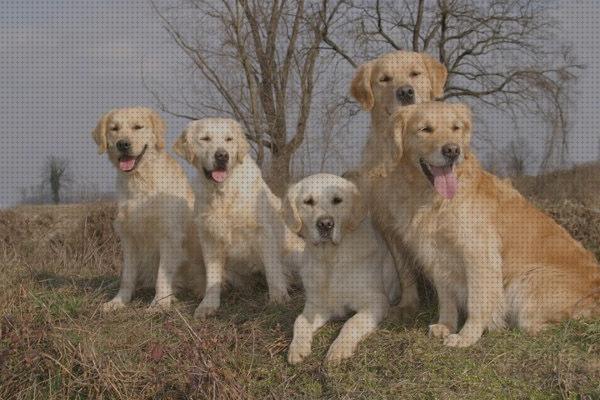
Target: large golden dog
{"points": [[484, 247], [390, 82], [155, 205], [382, 86]]}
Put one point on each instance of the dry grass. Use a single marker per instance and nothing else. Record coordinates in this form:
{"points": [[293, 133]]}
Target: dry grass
{"points": [[60, 263], [579, 185]]}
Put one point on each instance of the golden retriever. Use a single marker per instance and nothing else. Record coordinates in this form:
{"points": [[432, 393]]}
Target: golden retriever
{"points": [[155, 205], [346, 266], [238, 216], [382, 86], [484, 247], [390, 82]]}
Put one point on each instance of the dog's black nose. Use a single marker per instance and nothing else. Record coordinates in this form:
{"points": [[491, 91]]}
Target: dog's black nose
{"points": [[221, 156], [325, 225], [123, 146], [451, 151], [405, 95]]}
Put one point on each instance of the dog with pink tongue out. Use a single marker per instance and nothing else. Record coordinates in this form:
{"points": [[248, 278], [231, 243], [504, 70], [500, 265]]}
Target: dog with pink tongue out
{"points": [[155, 205], [486, 249], [240, 221]]}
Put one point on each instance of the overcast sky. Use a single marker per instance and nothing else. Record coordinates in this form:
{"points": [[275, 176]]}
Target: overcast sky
{"points": [[64, 63]]}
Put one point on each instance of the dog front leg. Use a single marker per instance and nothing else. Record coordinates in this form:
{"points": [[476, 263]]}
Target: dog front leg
{"points": [[128, 276], [305, 327], [448, 310], [409, 295], [274, 273], [362, 324], [485, 299], [214, 260], [171, 258]]}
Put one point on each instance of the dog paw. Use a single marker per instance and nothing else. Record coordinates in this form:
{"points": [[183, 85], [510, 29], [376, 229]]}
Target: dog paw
{"points": [[457, 340], [205, 310], [438, 331], [160, 304], [338, 352], [279, 296], [297, 352], [113, 305]]}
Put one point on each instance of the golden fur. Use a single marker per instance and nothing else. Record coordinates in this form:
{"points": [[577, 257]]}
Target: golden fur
{"points": [[155, 204], [486, 250], [374, 86], [239, 218], [349, 271]]}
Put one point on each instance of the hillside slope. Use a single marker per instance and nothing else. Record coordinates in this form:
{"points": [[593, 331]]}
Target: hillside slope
{"points": [[60, 263], [580, 185]]}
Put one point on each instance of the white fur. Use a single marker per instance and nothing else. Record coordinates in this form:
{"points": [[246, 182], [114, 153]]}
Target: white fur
{"points": [[239, 219], [355, 275]]}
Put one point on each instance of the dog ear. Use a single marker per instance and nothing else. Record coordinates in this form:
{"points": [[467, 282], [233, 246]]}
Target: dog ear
{"points": [[159, 128], [99, 133], [242, 147], [464, 113], [399, 126], [361, 89], [358, 212], [437, 75], [182, 147], [392, 153], [289, 209]]}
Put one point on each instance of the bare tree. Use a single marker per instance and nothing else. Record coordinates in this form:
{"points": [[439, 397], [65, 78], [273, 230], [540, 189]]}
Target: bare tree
{"points": [[54, 184], [499, 53], [516, 153], [56, 169], [258, 61]]}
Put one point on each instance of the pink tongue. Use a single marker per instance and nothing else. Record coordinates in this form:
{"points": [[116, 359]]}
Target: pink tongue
{"points": [[444, 181], [219, 176], [126, 163]]}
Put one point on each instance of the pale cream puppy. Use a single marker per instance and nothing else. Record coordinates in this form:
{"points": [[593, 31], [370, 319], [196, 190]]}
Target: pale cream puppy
{"points": [[382, 86], [486, 249], [239, 217], [346, 266], [155, 205]]}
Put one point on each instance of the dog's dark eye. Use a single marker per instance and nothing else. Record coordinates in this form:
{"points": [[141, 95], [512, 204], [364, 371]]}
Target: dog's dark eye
{"points": [[309, 202], [385, 78], [336, 200], [414, 74], [114, 128], [205, 138], [455, 128], [229, 139], [427, 129], [137, 127]]}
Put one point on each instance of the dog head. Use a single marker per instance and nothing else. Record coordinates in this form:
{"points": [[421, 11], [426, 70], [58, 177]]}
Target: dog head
{"points": [[434, 138], [127, 134], [322, 207], [398, 79], [215, 146]]}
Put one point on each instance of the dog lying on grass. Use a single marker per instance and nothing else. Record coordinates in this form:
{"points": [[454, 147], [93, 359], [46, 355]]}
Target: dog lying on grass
{"points": [[346, 265]]}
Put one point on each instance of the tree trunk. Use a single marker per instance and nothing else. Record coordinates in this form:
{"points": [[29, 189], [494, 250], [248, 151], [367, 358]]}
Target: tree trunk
{"points": [[279, 174]]}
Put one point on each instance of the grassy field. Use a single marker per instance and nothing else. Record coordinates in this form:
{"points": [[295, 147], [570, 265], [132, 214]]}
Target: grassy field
{"points": [[59, 264]]}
